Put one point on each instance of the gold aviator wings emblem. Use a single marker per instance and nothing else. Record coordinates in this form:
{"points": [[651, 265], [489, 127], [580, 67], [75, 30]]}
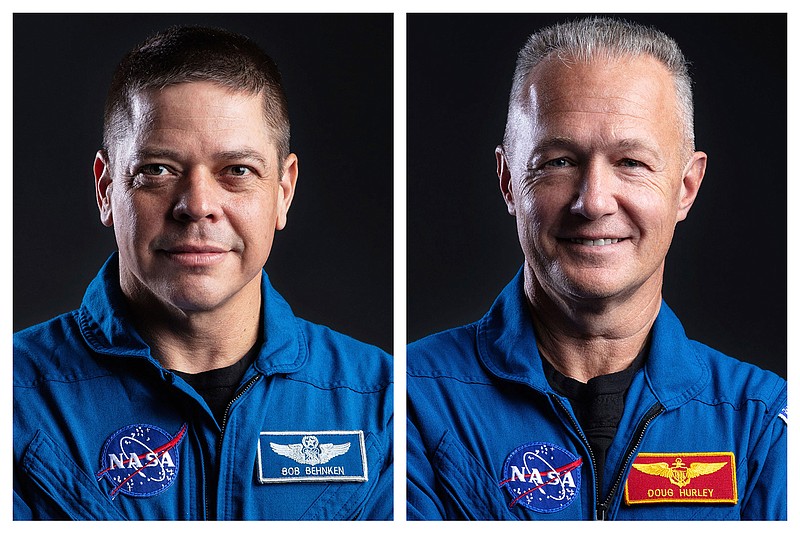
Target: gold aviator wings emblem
{"points": [[679, 474]]}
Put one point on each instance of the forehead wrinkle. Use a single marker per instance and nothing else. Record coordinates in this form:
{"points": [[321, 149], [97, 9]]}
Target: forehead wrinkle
{"points": [[551, 106], [148, 132], [147, 112]]}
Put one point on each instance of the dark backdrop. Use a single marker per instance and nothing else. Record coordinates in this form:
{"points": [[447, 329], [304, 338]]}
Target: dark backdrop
{"points": [[333, 262], [726, 271]]}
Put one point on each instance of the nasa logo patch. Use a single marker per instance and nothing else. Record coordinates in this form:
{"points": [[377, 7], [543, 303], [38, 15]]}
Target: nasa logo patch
{"points": [[140, 460], [542, 477]]}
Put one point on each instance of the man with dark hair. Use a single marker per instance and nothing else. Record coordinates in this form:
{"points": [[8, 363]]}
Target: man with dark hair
{"points": [[185, 54], [578, 395], [184, 387]]}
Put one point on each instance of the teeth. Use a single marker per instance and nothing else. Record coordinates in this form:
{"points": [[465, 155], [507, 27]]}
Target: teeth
{"points": [[596, 242]]}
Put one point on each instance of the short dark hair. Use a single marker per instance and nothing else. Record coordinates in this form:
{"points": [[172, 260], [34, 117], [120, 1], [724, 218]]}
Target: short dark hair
{"points": [[182, 54]]}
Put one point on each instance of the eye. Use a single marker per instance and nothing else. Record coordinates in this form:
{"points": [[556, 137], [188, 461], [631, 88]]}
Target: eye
{"points": [[559, 162], [631, 163], [153, 169], [239, 171]]}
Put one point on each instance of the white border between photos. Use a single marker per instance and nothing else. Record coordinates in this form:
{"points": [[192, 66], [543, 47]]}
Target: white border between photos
{"points": [[400, 9]]}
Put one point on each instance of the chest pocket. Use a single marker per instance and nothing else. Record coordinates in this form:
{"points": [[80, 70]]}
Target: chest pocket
{"points": [[62, 485], [469, 487], [344, 501]]}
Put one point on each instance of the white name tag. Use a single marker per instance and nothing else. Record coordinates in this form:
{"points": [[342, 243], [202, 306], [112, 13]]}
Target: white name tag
{"points": [[302, 456]]}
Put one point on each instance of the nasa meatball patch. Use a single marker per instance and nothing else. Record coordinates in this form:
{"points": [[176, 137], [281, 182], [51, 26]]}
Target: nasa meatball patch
{"points": [[542, 477], [140, 460]]}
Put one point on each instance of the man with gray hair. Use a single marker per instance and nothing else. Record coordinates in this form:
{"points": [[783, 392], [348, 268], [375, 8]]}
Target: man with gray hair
{"points": [[578, 395]]}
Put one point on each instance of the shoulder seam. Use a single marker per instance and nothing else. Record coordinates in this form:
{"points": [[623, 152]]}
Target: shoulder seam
{"points": [[331, 386], [462, 379], [65, 380]]}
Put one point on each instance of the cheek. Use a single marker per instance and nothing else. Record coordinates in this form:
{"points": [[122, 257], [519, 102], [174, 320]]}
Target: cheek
{"points": [[139, 219], [254, 216], [144, 214], [536, 215], [127, 218], [654, 214], [660, 192], [543, 206]]}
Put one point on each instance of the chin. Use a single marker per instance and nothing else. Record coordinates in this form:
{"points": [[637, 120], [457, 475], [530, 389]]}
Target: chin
{"points": [[596, 294], [194, 298], [195, 304], [596, 286]]}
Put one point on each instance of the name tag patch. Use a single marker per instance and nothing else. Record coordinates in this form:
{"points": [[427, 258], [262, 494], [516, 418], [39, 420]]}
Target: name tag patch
{"points": [[297, 456], [707, 477]]}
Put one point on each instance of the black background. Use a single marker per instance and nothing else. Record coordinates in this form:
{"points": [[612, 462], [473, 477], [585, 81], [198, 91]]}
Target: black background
{"points": [[726, 271], [333, 262]]}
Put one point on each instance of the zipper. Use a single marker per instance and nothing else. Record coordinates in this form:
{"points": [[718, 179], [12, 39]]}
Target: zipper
{"points": [[224, 424], [657, 409], [585, 441], [601, 510]]}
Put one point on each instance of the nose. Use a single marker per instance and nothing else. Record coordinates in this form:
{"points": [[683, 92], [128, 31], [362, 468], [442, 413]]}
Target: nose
{"points": [[198, 198], [596, 196]]}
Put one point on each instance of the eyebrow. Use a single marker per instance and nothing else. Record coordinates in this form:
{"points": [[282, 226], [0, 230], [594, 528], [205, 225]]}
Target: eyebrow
{"points": [[244, 154], [569, 142], [637, 144], [147, 153], [225, 155], [555, 142]]}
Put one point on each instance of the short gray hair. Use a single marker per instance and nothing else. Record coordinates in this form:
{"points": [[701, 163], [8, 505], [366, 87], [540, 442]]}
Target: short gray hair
{"points": [[602, 37]]}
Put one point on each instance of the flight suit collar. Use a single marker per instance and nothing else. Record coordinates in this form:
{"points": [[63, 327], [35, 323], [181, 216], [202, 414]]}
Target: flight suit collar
{"points": [[506, 339], [507, 346], [105, 325]]}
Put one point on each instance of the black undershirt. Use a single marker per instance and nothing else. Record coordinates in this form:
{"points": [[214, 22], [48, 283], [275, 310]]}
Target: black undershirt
{"points": [[219, 386], [598, 404]]}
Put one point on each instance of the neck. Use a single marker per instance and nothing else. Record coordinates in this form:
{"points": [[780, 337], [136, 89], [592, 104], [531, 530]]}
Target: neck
{"points": [[584, 339], [197, 341]]}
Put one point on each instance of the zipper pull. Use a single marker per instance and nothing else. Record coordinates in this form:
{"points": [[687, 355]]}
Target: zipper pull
{"points": [[601, 513]]}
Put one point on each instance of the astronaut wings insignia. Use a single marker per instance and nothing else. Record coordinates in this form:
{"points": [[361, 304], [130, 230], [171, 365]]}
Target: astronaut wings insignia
{"points": [[679, 474], [310, 451]]}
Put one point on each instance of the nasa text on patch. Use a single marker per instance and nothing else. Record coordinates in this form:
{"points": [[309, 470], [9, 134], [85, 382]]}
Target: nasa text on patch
{"points": [[542, 477], [140, 460], [293, 456], [704, 477]]}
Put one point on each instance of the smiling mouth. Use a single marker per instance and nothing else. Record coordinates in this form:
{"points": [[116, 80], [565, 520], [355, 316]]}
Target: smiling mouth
{"points": [[595, 242]]}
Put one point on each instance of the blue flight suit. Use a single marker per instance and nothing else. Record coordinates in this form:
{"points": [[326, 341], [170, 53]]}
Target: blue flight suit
{"points": [[489, 438], [103, 431]]}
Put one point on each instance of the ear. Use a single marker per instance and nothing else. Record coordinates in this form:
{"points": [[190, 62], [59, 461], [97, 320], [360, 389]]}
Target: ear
{"points": [[286, 185], [102, 187], [504, 175], [690, 184]]}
